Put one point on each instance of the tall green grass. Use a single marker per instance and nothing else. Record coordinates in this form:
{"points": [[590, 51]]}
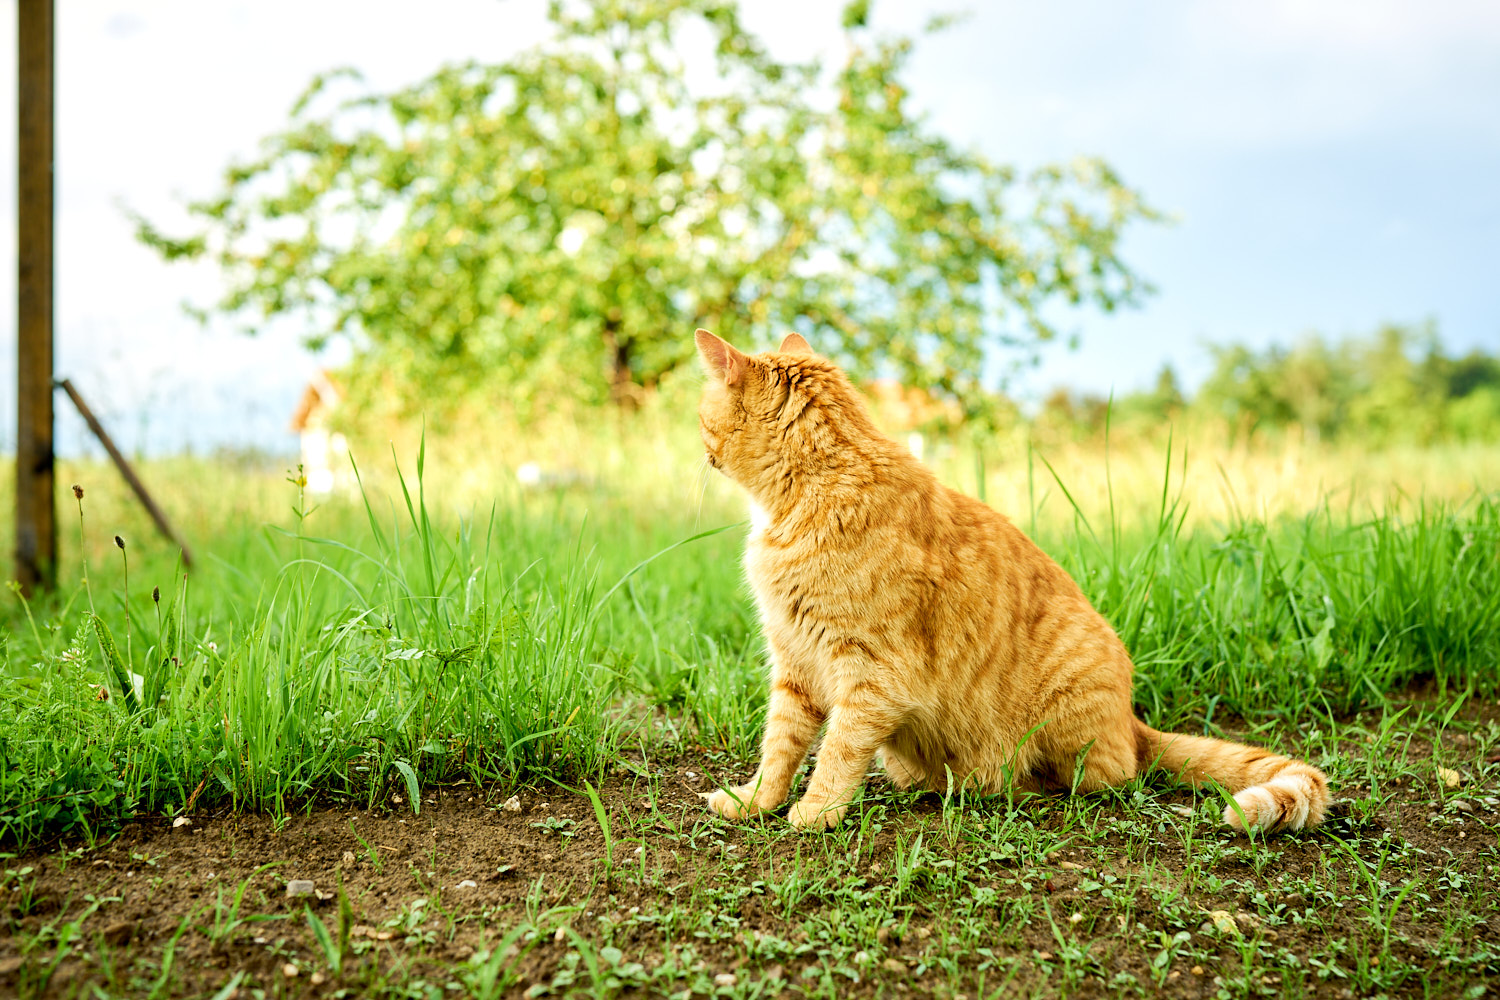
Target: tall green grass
{"points": [[355, 651]]}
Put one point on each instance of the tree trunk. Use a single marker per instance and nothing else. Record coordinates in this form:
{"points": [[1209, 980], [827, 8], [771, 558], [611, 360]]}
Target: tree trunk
{"points": [[623, 390]]}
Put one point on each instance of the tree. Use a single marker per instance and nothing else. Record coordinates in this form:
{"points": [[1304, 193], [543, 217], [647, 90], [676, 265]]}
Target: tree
{"points": [[561, 222]]}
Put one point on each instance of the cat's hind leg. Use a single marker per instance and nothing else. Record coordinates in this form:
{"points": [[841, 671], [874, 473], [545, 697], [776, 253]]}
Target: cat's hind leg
{"points": [[1104, 762], [905, 772]]}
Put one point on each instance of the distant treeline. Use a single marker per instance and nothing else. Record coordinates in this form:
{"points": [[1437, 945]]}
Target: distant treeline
{"points": [[1396, 386]]}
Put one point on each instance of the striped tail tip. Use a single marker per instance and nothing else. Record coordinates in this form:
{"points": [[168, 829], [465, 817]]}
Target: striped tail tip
{"points": [[1285, 802]]}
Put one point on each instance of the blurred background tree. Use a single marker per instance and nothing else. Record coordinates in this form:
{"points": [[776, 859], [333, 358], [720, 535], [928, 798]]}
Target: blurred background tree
{"points": [[557, 225], [1395, 385]]}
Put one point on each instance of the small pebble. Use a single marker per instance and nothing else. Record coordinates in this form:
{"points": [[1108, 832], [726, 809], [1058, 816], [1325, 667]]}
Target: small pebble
{"points": [[724, 979], [348, 858], [1070, 866], [181, 821], [1186, 812], [289, 970], [299, 887], [1449, 777], [561, 935], [1197, 970], [1076, 918], [1461, 805], [512, 804], [467, 883], [317, 979], [894, 965]]}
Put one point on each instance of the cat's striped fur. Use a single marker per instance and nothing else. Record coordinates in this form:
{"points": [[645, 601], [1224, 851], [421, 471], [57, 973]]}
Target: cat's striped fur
{"points": [[916, 624]]}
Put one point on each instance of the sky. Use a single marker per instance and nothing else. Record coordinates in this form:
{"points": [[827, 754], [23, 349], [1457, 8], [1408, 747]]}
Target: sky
{"points": [[1327, 166]]}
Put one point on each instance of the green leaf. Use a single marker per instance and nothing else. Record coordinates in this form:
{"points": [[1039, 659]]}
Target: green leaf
{"points": [[412, 791], [331, 952], [117, 664]]}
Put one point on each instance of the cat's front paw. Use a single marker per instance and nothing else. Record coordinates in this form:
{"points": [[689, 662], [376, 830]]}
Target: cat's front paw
{"points": [[807, 815], [733, 803]]}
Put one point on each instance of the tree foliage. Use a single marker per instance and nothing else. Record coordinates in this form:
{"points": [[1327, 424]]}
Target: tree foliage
{"points": [[1395, 385], [559, 223]]}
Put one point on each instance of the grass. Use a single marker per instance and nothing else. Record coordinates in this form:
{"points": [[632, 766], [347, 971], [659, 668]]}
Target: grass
{"points": [[377, 653]]}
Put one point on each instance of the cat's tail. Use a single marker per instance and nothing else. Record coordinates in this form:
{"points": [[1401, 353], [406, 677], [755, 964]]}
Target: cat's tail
{"points": [[1272, 792]]}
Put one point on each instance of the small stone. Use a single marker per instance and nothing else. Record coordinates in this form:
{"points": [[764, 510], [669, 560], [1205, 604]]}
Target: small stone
{"points": [[299, 887], [1197, 970], [512, 804], [1044, 956], [290, 971], [348, 858], [894, 965], [1461, 805], [775, 973], [1076, 918], [560, 936], [362, 930], [1449, 777], [861, 958], [119, 934], [923, 933], [724, 979], [384, 935], [1070, 866], [180, 822], [396, 799], [467, 883], [317, 979], [1186, 812], [1173, 974]]}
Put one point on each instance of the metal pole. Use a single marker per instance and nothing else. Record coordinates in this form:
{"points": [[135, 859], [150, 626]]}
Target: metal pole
{"points": [[36, 512]]}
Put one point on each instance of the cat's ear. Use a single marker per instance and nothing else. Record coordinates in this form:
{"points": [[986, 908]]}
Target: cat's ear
{"points": [[720, 357], [795, 344]]}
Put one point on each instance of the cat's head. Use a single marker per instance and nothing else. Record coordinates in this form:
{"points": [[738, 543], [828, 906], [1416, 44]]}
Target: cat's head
{"points": [[762, 412]]}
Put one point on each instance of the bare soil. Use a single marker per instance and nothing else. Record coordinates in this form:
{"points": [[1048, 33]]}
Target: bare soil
{"points": [[713, 898]]}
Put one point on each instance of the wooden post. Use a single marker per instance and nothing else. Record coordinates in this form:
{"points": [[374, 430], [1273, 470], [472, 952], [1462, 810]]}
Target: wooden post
{"points": [[36, 511], [157, 517]]}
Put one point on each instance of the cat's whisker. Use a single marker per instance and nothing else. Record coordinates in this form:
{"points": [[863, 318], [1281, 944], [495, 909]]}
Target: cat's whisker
{"points": [[705, 471]]}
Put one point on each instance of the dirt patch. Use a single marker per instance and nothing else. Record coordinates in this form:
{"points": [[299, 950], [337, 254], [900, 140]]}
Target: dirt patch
{"points": [[1115, 893]]}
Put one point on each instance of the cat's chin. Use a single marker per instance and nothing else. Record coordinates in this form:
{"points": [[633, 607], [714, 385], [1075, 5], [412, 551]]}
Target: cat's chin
{"points": [[759, 519]]}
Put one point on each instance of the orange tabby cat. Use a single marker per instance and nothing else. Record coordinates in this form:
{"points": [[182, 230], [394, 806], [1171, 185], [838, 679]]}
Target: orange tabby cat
{"points": [[918, 624]]}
